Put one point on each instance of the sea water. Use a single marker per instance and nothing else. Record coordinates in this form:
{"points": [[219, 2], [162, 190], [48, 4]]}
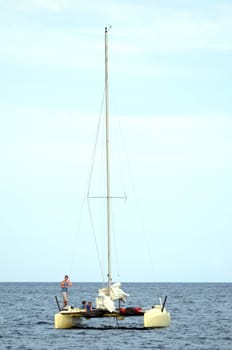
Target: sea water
{"points": [[201, 317]]}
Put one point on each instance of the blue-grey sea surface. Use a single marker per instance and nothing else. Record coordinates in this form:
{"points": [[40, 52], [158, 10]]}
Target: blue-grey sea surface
{"points": [[201, 318]]}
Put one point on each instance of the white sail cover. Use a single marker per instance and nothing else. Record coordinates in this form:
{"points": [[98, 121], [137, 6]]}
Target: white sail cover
{"points": [[105, 301]]}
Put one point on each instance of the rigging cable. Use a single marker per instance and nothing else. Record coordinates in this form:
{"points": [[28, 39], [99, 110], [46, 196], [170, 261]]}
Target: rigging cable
{"points": [[77, 234], [139, 210], [95, 145], [95, 241], [84, 199], [89, 184], [116, 250]]}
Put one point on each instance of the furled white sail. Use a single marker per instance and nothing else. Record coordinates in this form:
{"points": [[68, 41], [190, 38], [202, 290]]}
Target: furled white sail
{"points": [[105, 299]]}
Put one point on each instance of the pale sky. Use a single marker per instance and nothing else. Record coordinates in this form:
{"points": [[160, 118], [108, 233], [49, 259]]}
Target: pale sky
{"points": [[170, 79]]}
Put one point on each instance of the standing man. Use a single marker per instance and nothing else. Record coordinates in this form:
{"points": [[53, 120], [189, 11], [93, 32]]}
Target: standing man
{"points": [[64, 289]]}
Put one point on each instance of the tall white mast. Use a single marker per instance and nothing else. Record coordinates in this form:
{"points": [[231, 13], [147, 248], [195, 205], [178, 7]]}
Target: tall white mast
{"points": [[107, 159]]}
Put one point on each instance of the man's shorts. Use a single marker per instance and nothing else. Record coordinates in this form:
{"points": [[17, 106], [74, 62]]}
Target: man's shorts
{"points": [[65, 296]]}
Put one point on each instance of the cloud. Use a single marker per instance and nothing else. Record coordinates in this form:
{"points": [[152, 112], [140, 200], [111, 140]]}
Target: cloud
{"points": [[181, 29], [27, 5], [70, 134], [47, 48], [138, 30], [181, 142]]}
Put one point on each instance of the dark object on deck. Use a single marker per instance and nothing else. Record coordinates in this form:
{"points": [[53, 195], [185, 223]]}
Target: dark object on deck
{"points": [[131, 311], [94, 313], [163, 305], [57, 302]]}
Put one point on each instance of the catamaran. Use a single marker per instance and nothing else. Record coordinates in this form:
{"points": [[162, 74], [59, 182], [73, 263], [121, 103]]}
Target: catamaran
{"points": [[70, 317]]}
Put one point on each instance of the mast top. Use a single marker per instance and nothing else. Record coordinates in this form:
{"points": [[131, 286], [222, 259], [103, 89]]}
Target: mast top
{"points": [[108, 28]]}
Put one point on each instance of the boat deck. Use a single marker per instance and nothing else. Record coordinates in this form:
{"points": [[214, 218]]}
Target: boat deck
{"points": [[97, 313]]}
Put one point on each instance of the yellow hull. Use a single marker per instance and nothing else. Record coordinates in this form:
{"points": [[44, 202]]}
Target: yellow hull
{"points": [[153, 318], [67, 320]]}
